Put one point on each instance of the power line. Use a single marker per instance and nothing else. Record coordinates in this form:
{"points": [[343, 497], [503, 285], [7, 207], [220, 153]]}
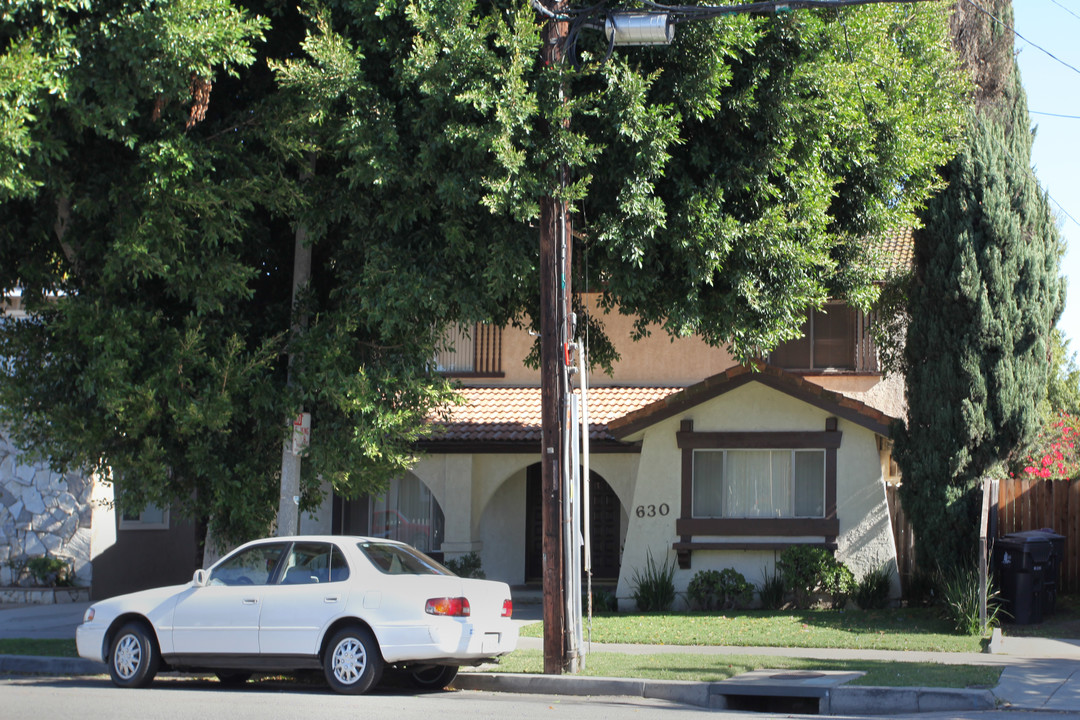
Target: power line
{"points": [[1012, 29], [1057, 115], [1065, 9]]}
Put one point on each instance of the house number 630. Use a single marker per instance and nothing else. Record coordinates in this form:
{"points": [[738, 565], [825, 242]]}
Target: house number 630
{"points": [[652, 510]]}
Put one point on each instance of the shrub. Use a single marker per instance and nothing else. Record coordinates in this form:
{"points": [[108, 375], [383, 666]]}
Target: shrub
{"points": [[720, 590], [50, 571], [654, 589], [872, 591], [602, 600], [772, 592], [809, 570], [466, 566], [702, 590]]}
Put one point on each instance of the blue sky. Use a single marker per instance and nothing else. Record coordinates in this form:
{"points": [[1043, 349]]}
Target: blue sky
{"points": [[1054, 26]]}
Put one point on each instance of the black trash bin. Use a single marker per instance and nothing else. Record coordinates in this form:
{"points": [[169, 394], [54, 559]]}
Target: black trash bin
{"points": [[1021, 562], [1052, 573]]}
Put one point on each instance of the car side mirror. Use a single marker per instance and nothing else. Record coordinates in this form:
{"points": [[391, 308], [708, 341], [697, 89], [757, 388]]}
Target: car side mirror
{"points": [[200, 578]]}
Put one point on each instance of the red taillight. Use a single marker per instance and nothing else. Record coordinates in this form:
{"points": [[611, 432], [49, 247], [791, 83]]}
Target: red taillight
{"points": [[453, 607], [508, 607]]}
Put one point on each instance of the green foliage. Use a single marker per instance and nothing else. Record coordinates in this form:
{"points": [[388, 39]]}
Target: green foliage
{"points": [[984, 298], [961, 596], [920, 588], [603, 601], [159, 161], [1063, 385], [772, 592], [654, 587], [873, 589], [725, 589], [50, 571], [809, 570], [466, 566]]}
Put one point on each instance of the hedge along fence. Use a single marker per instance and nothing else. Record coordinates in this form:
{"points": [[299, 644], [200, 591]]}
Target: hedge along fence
{"points": [[1022, 504]]}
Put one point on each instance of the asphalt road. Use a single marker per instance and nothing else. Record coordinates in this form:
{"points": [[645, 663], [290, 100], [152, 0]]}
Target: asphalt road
{"points": [[179, 698]]}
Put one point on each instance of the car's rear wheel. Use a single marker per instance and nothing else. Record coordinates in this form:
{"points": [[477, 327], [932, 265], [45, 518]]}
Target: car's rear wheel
{"points": [[352, 663], [133, 657], [432, 677]]}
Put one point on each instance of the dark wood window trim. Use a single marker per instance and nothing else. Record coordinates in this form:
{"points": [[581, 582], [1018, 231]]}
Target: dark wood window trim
{"points": [[687, 526]]}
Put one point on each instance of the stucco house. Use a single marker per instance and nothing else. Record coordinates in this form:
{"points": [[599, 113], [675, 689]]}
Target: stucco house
{"points": [[695, 458]]}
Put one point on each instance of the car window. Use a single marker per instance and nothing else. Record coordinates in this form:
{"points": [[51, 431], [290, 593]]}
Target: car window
{"points": [[314, 562], [400, 559], [254, 566]]}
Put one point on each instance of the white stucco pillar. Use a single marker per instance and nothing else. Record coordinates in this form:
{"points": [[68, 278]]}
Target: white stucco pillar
{"points": [[457, 505]]}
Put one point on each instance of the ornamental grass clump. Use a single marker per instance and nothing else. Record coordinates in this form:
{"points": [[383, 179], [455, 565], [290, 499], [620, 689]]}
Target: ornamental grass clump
{"points": [[873, 589], [654, 588]]}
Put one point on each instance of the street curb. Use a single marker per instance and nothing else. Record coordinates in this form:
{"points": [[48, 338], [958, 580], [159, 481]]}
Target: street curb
{"points": [[32, 664], [865, 700]]}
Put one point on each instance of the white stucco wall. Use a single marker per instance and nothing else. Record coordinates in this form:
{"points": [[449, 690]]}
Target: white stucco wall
{"points": [[864, 540]]}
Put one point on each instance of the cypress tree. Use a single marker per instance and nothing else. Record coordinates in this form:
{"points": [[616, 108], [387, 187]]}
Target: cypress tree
{"points": [[984, 299]]}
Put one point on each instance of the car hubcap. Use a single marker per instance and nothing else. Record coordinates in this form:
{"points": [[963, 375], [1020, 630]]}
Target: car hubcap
{"points": [[127, 657], [350, 659]]}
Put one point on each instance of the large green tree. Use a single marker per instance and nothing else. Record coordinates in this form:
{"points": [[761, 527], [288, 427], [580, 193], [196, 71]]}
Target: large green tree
{"points": [[720, 186], [983, 302]]}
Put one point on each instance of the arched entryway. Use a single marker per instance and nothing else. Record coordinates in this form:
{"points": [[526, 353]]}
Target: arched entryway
{"points": [[605, 527]]}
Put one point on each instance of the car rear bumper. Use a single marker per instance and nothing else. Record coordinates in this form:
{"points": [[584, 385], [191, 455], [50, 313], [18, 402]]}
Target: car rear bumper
{"points": [[450, 641]]}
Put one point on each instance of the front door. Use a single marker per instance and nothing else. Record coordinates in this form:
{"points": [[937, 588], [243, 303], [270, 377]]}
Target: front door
{"points": [[223, 616], [604, 527]]}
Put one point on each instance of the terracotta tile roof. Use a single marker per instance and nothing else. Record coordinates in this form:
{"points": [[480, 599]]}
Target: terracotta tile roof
{"points": [[512, 414], [897, 251], [798, 387]]}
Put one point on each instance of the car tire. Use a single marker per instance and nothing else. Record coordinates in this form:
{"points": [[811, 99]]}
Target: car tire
{"points": [[432, 677], [133, 656], [352, 663]]}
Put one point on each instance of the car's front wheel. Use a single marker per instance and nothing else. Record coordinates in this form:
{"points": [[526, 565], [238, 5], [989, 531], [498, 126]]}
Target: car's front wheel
{"points": [[133, 657], [432, 677], [353, 663]]}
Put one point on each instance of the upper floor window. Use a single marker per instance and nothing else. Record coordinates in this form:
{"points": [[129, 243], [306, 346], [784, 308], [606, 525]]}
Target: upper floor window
{"points": [[150, 517], [472, 350], [759, 483], [836, 337]]}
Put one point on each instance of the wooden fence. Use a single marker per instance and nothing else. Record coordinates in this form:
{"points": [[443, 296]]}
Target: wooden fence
{"points": [[1021, 505]]}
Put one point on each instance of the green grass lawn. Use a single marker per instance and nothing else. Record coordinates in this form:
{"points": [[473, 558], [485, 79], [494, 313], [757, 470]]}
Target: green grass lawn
{"points": [[713, 668], [46, 648], [903, 629]]}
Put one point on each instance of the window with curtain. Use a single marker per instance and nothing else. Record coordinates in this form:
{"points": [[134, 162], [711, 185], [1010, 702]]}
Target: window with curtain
{"points": [[410, 513], [759, 483]]}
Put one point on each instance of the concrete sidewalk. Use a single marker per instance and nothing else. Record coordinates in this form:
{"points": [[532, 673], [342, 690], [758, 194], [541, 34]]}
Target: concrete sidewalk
{"points": [[1038, 674]]}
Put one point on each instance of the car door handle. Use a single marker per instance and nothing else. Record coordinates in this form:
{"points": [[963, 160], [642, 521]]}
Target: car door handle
{"points": [[251, 601], [331, 598]]}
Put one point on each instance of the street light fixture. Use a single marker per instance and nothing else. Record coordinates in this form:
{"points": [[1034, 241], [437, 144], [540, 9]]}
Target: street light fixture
{"points": [[639, 28]]}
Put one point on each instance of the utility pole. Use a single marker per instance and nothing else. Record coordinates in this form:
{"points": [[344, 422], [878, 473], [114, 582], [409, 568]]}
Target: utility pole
{"points": [[288, 517], [555, 240]]}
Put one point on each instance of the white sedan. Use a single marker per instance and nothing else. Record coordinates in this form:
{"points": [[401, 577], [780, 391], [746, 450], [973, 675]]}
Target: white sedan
{"points": [[346, 605]]}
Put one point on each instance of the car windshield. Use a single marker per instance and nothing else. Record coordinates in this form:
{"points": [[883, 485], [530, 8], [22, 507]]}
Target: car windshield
{"points": [[395, 559]]}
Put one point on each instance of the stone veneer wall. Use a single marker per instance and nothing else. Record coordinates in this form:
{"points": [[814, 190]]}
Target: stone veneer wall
{"points": [[42, 512]]}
